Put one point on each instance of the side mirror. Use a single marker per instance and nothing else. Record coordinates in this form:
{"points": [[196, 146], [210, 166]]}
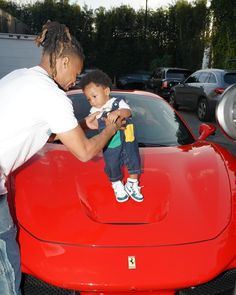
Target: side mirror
{"points": [[206, 130], [226, 112]]}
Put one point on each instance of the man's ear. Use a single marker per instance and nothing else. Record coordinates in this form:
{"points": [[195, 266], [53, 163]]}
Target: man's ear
{"points": [[65, 61]]}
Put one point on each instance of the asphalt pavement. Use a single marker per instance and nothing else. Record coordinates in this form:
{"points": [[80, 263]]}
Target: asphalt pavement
{"points": [[190, 117]]}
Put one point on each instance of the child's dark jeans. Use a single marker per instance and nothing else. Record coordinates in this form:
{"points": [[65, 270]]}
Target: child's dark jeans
{"points": [[121, 150]]}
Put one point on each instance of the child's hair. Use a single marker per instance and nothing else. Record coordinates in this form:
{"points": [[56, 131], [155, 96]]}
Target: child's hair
{"points": [[97, 77], [57, 41]]}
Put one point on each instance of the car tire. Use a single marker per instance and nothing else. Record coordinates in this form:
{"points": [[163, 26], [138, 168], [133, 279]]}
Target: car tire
{"points": [[203, 111], [172, 101]]}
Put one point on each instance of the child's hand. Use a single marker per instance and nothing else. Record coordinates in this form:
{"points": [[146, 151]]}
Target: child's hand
{"points": [[112, 116], [119, 123]]}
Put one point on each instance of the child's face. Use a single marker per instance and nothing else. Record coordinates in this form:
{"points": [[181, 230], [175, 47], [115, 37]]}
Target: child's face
{"points": [[97, 95]]}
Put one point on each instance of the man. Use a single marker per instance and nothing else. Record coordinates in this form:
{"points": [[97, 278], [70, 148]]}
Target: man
{"points": [[33, 105]]}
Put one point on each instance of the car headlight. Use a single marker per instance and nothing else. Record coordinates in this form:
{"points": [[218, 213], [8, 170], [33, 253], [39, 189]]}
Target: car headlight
{"points": [[226, 112]]}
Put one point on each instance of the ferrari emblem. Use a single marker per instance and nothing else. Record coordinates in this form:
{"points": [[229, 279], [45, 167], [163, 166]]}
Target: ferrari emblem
{"points": [[131, 262]]}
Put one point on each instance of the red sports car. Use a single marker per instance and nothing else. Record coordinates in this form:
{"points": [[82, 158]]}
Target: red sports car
{"points": [[75, 238]]}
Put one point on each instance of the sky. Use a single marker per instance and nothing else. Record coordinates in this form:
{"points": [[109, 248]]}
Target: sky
{"points": [[136, 4]]}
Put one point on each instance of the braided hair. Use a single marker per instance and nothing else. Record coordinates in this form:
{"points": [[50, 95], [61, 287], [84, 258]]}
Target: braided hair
{"points": [[57, 41]]}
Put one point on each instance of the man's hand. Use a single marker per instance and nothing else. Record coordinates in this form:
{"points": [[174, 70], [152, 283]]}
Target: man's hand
{"points": [[112, 116], [91, 121], [118, 124]]}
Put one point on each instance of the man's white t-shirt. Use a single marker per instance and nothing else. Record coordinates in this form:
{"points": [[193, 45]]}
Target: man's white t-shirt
{"points": [[32, 106]]}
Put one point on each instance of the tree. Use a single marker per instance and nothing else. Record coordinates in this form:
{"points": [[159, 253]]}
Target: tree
{"points": [[11, 8], [117, 40], [121, 40], [158, 35], [187, 26], [37, 14], [223, 33]]}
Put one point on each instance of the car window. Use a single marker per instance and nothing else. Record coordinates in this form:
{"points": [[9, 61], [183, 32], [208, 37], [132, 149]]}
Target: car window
{"points": [[156, 122], [80, 105], [179, 74], [230, 78], [157, 74], [81, 109], [212, 78], [193, 78], [203, 76]]}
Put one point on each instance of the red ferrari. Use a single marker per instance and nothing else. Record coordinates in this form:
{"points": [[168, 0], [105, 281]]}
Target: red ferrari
{"points": [[75, 238]]}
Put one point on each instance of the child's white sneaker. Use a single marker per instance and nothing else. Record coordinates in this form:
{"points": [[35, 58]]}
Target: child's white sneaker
{"points": [[119, 190], [133, 190]]}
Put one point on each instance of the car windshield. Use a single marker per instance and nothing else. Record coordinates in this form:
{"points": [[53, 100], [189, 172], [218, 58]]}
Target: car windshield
{"points": [[179, 74], [156, 123], [230, 78]]}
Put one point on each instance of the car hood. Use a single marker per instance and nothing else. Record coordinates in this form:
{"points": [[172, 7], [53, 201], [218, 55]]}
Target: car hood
{"points": [[187, 198]]}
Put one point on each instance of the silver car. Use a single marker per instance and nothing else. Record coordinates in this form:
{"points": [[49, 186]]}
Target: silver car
{"points": [[202, 90]]}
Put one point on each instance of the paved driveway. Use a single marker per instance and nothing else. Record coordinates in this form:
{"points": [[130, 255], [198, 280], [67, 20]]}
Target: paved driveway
{"points": [[191, 118]]}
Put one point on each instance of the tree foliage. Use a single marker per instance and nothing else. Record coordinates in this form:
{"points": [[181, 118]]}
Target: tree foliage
{"points": [[11, 7], [122, 40], [187, 26], [223, 33]]}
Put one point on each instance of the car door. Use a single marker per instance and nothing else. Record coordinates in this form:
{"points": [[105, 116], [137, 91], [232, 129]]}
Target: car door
{"points": [[185, 91], [155, 79], [196, 89], [211, 85]]}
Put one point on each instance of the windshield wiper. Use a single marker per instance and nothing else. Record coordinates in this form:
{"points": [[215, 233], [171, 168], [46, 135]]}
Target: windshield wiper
{"points": [[148, 144]]}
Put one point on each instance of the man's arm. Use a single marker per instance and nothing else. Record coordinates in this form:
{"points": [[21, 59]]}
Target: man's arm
{"points": [[89, 122], [82, 147]]}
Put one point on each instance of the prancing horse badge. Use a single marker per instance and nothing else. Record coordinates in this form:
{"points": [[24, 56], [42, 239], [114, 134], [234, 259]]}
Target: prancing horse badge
{"points": [[131, 262]]}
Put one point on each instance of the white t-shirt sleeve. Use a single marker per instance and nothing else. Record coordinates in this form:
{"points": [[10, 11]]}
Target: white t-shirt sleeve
{"points": [[60, 114]]}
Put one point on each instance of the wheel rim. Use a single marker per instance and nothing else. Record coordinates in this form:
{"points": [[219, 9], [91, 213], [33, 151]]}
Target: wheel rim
{"points": [[202, 110]]}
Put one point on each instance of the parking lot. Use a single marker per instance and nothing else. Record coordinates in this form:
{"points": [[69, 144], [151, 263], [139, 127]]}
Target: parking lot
{"points": [[191, 118]]}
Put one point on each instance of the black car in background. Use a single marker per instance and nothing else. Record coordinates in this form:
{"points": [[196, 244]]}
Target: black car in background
{"points": [[133, 81], [202, 91], [163, 78]]}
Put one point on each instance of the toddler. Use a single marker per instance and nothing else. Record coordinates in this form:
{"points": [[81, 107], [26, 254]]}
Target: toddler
{"points": [[122, 149]]}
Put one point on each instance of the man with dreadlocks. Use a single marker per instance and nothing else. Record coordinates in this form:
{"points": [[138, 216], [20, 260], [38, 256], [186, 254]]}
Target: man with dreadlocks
{"points": [[33, 105]]}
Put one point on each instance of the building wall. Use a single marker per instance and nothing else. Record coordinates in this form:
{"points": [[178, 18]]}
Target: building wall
{"points": [[17, 51], [10, 24]]}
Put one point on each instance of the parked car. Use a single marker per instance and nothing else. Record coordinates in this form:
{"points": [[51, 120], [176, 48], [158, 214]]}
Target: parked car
{"points": [[163, 78], [202, 91], [75, 238], [133, 81]]}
